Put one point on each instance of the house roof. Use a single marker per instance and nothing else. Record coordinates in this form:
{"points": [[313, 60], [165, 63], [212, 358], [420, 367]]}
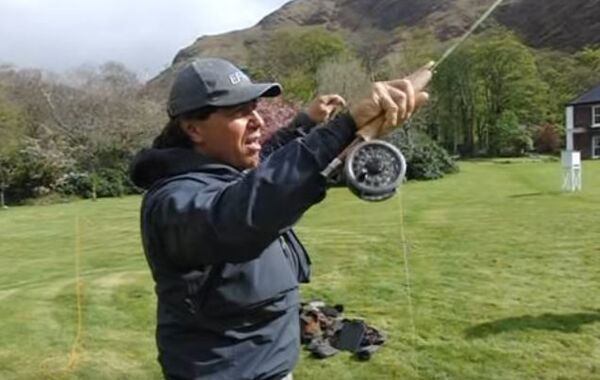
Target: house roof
{"points": [[592, 96]]}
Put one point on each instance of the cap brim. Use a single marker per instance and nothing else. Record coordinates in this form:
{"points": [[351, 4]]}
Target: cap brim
{"points": [[248, 93]]}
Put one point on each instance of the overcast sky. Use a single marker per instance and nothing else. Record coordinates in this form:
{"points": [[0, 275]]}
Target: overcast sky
{"points": [[143, 34]]}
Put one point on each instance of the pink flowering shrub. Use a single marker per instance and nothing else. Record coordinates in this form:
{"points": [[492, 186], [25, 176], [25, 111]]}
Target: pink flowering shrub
{"points": [[276, 112]]}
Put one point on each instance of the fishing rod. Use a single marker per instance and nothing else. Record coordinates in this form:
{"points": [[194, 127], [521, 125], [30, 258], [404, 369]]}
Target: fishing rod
{"points": [[374, 169]]}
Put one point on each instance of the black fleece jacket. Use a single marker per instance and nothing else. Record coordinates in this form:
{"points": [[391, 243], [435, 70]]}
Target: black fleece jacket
{"points": [[224, 258]]}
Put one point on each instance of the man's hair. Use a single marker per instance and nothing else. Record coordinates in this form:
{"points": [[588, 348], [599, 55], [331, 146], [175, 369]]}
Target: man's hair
{"points": [[173, 135]]}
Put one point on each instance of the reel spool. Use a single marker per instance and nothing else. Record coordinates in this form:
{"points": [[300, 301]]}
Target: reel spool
{"points": [[374, 170]]}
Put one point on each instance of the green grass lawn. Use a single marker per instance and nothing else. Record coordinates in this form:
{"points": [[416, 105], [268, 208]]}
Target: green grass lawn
{"points": [[504, 281]]}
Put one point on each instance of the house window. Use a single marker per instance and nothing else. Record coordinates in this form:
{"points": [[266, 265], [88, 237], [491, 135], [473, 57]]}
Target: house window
{"points": [[596, 147], [596, 116]]}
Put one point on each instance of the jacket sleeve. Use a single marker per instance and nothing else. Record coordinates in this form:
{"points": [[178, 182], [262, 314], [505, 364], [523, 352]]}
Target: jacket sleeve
{"points": [[244, 216], [300, 126]]}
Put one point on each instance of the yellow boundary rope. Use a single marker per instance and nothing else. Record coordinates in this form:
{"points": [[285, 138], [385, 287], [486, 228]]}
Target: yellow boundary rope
{"points": [[74, 354]]}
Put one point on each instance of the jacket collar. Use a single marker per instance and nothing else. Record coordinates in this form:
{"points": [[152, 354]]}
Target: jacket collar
{"points": [[152, 165]]}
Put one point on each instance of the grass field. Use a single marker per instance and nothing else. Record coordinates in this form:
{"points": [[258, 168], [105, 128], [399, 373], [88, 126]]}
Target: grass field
{"points": [[504, 281]]}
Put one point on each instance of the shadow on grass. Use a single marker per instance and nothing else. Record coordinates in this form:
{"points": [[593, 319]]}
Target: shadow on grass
{"points": [[527, 195], [568, 323]]}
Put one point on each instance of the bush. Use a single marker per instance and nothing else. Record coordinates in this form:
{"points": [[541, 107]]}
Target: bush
{"points": [[37, 168], [508, 138], [547, 139], [425, 159], [109, 183], [75, 183], [276, 113]]}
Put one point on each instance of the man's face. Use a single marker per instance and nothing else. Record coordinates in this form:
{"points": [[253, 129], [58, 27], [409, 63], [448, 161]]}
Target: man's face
{"points": [[231, 135]]}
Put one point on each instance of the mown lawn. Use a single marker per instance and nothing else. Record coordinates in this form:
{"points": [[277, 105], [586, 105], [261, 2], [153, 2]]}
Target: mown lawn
{"points": [[504, 281]]}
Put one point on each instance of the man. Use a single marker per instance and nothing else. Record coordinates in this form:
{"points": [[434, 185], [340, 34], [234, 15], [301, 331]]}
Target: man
{"points": [[217, 218]]}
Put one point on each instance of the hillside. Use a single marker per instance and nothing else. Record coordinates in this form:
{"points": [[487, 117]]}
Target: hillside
{"points": [[554, 24]]}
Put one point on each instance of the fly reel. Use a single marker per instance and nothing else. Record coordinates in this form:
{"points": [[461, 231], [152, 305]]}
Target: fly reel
{"points": [[374, 170]]}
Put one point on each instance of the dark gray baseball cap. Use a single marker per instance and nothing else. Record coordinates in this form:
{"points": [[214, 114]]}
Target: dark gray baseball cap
{"points": [[214, 82]]}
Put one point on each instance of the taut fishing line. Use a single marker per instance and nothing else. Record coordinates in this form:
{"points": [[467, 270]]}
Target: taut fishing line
{"points": [[403, 240], [464, 37]]}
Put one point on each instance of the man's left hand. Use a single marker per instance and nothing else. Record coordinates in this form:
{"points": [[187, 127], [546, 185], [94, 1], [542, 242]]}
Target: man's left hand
{"points": [[324, 107]]}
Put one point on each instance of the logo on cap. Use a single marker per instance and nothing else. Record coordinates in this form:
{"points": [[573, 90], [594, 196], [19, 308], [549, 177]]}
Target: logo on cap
{"points": [[236, 77]]}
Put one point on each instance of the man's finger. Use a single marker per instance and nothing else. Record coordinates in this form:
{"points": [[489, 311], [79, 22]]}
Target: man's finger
{"points": [[335, 100], [421, 98], [388, 105], [401, 98], [409, 96]]}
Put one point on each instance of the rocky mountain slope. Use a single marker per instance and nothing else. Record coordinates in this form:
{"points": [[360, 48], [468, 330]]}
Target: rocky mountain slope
{"points": [[555, 24]]}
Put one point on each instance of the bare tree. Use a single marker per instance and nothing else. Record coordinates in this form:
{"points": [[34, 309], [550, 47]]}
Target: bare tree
{"points": [[346, 77], [96, 110]]}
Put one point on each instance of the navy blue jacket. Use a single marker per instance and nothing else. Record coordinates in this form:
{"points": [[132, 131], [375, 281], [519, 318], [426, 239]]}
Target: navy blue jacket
{"points": [[224, 258]]}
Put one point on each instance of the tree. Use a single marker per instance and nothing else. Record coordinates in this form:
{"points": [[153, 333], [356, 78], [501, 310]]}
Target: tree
{"points": [[477, 91], [293, 56], [569, 75], [371, 45], [508, 137], [104, 120], [344, 76], [509, 81], [11, 130], [416, 48], [95, 119], [456, 103], [590, 58], [7, 171]]}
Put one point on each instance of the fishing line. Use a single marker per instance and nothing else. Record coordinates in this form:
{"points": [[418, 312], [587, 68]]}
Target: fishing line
{"points": [[404, 242], [466, 35], [408, 289]]}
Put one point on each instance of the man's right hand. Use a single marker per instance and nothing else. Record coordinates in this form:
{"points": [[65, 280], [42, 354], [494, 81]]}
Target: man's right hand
{"points": [[391, 103]]}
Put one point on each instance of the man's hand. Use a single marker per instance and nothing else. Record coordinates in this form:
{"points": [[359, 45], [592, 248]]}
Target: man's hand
{"points": [[323, 107], [391, 103]]}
